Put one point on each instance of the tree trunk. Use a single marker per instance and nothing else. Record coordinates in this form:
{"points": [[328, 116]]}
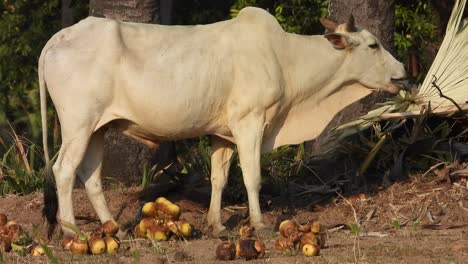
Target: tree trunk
{"points": [[142, 11], [68, 14], [377, 16], [125, 158]]}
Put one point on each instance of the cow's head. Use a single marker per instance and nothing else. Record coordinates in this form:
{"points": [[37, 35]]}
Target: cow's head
{"points": [[367, 61]]}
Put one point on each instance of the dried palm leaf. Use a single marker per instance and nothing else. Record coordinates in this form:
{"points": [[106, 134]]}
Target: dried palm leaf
{"points": [[444, 91]]}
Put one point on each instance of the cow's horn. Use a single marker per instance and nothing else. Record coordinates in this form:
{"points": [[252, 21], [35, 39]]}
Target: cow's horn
{"points": [[350, 26]]}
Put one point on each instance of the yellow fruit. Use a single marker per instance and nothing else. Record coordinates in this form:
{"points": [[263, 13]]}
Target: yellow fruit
{"points": [[173, 211], [110, 227], [112, 244], [185, 229], [158, 233], [310, 250], [97, 245], [149, 209], [315, 227], [162, 200], [37, 250]]}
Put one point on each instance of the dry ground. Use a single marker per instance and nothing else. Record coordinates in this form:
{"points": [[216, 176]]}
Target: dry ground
{"points": [[421, 220]]}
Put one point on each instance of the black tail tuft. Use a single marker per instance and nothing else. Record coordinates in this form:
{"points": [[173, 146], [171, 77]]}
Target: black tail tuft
{"points": [[50, 200]]}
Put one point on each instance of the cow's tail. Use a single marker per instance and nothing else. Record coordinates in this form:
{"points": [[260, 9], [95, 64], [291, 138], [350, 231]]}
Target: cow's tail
{"points": [[50, 194]]}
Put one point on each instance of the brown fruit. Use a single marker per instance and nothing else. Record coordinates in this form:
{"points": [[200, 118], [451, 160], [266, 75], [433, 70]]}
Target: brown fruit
{"points": [[110, 227], [309, 238], [246, 231], [112, 244], [310, 250], [173, 227], [37, 251], [66, 243], [97, 245], [79, 247], [149, 209], [146, 224], [283, 243], [138, 233], [5, 244], [3, 219], [315, 228], [226, 251], [305, 228], [250, 249], [287, 228], [13, 230]]}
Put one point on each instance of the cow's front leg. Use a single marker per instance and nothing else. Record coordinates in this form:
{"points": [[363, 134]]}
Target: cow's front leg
{"points": [[222, 151], [248, 134]]}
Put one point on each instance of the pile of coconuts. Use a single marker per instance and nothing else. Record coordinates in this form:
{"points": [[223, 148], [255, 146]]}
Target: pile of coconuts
{"points": [[161, 221], [14, 238], [308, 237], [97, 242], [246, 247]]}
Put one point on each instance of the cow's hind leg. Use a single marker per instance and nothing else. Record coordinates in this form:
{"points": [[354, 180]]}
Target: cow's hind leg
{"points": [[75, 141], [222, 151], [90, 174]]}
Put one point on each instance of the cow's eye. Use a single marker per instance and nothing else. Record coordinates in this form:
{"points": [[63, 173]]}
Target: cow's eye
{"points": [[374, 46]]}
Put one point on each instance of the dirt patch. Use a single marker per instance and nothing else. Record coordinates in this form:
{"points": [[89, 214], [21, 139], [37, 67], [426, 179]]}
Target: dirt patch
{"points": [[422, 220]]}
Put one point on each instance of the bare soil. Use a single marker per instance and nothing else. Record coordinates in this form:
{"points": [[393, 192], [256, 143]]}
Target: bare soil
{"points": [[421, 220]]}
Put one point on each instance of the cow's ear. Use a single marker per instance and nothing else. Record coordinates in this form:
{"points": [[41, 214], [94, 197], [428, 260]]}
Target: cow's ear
{"points": [[339, 41], [328, 24]]}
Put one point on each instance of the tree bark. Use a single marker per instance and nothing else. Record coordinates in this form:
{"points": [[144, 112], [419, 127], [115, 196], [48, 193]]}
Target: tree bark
{"points": [[142, 11], [377, 16], [125, 158], [68, 14]]}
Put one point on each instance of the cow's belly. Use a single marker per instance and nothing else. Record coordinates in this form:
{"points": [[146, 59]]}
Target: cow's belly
{"points": [[169, 122]]}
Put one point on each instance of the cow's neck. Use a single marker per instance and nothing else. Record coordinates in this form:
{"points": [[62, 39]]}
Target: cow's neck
{"points": [[312, 67], [317, 90]]}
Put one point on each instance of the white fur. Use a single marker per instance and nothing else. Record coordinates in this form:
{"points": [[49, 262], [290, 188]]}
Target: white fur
{"points": [[244, 81]]}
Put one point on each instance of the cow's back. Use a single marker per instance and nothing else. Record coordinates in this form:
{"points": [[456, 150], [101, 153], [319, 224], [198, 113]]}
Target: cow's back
{"points": [[180, 77]]}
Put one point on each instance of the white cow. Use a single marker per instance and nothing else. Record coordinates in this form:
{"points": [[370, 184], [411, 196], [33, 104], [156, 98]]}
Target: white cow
{"points": [[244, 81]]}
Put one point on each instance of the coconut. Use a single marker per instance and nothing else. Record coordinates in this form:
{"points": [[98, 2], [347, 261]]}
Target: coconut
{"points": [[226, 251]]}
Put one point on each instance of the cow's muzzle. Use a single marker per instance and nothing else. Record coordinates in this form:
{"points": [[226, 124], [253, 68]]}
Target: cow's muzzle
{"points": [[404, 84]]}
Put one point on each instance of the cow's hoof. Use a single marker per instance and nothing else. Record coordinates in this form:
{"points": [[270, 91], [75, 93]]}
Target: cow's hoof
{"points": [[121, 234], [265, 233]]}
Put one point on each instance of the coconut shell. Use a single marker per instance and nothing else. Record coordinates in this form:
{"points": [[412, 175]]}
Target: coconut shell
{"points": [[226, 251]]}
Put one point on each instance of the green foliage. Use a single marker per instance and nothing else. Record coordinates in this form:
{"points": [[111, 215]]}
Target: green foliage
{"points": [[295, 16], [26, 26], [17, 173], [415, 32]]}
